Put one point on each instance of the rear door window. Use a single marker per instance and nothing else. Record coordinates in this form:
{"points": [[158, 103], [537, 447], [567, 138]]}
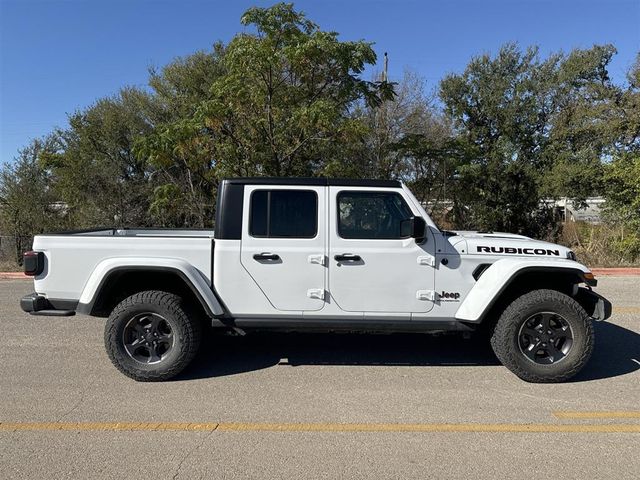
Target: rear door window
{"points": [[283, 214]]}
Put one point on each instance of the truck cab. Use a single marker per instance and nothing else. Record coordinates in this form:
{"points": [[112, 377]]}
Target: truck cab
{"points": [[337, 250]]}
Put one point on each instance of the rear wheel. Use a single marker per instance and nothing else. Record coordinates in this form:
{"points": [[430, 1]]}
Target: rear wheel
{"points": [[150, 337], [543, 336]]}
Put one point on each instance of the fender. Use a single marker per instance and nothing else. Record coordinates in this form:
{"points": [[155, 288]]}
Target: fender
{"points": [[192, 277], [500, 274]]}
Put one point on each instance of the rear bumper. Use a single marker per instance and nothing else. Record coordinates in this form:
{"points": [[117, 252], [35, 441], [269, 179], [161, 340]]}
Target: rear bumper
{"points": [[36, 304]]}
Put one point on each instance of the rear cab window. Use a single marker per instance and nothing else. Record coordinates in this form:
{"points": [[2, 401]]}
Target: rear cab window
{"points": [[283, 214]]}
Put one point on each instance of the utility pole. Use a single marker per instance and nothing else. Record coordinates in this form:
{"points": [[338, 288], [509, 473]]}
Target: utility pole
{"points": [[386, 67]]}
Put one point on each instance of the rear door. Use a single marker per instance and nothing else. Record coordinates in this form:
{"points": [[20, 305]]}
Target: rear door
{"points": [[373, 267], [283, 244]]}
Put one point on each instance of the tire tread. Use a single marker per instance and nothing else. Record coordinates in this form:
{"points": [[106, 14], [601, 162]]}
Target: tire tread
{"points": [[188, 346], [502, 336]]}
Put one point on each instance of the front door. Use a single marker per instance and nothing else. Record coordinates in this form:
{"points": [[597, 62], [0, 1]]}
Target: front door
{"points": [[373, 267], [283, 244]]}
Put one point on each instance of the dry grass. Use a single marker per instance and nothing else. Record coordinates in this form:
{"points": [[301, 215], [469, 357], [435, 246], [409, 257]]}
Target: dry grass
{"points": [[9, 266], [602, 245]]}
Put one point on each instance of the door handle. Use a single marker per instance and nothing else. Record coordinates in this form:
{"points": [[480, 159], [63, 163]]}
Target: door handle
{"points": [[272, 257], [347, 257]]}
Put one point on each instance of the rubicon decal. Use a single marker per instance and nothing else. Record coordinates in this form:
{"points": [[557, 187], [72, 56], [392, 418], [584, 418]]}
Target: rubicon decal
{"points": [[519, 251]]}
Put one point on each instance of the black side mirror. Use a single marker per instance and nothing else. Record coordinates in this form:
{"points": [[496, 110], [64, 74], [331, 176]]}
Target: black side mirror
{"points": [[414, 227]]}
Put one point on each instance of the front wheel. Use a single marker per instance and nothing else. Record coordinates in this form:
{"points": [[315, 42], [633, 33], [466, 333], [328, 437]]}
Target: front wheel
{"points": [[543, 336], [150, 337]]}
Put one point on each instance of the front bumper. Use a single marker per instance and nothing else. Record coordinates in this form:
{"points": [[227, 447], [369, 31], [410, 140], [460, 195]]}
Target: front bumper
{"points": [[36, 304], [598, 307]]}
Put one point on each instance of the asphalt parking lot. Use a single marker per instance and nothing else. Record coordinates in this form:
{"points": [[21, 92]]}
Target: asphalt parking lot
{"points": [[314, 406]]}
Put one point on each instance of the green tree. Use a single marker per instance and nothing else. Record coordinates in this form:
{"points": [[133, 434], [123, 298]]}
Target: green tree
{"points": [[412, 113], [622, 174], [179, 152], [623, 189], [581, 132], [279, 106], [27, 203], [527, 136], [95, 170]]}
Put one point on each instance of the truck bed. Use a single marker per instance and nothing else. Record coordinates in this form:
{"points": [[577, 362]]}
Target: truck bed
{"points": [[71, 257]]}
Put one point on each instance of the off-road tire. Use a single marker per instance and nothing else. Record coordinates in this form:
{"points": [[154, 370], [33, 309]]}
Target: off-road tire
{"points": [[186, 328], [504, 339]]}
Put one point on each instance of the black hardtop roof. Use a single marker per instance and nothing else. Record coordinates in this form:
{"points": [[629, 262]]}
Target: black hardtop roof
{"points": [[314, 181]]}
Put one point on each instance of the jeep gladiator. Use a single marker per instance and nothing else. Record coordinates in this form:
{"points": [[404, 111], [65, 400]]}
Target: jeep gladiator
{"points": [[318, 254]]}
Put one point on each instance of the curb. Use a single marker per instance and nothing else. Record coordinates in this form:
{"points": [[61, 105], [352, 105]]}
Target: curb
{"points": [[13, 276], [616, 272]]}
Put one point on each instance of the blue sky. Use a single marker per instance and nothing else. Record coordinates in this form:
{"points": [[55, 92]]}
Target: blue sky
{"points": [[57, 56]]}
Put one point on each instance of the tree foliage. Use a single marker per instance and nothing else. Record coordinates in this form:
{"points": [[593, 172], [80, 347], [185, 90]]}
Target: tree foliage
{"points": [[531, 128], [484, 150], [94, 169], [277, 103], [27, 204]]}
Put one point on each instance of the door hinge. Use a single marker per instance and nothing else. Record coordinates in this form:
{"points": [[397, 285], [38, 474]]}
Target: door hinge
{"points": [[426, 295], [427, 260], [317, 293], [317, 258]]}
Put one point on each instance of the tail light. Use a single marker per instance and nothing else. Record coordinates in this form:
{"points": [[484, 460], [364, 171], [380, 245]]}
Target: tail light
{"points": [[33, 263]]}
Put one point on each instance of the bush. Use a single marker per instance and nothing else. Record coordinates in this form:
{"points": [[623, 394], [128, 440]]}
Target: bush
{"points": [[602, 245]]}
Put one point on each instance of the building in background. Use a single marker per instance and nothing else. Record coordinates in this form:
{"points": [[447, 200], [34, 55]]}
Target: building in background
{"points": [[570, 213], [566, 209]]}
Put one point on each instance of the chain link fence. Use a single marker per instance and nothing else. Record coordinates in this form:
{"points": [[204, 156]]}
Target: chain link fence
{"points": [[11, 248]]}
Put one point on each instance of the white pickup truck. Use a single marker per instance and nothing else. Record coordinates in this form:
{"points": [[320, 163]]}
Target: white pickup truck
{"points": [[318, 253]]}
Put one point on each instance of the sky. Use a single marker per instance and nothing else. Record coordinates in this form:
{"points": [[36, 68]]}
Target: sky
{"points": [[58, 56]]}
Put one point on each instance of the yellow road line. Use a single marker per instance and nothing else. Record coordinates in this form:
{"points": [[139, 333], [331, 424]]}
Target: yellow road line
{"points": [[427, 427], [601, 414], [317, 427]]}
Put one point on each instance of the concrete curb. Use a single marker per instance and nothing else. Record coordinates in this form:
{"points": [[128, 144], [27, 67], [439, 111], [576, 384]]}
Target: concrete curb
{"points": [[616, 272], [13, 276]]}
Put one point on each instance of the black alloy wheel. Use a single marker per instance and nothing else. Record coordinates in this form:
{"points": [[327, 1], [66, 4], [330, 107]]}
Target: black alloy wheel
{"points": [[545, 338], [148, 338], [153, 335]]}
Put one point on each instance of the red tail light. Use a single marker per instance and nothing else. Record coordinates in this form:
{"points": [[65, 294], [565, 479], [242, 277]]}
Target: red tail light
{"points": [[33, 263]]}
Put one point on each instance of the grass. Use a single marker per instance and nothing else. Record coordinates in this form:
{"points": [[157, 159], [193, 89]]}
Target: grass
{"points": [[602, 245], [9, 266]]}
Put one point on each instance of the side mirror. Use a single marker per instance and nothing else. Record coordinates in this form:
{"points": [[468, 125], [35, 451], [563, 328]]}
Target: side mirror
{"points": [[414, 227]]}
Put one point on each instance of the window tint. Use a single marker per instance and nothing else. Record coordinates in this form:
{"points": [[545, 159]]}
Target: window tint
{"points": [[283, 213], [372, 215], [258, 213]]}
